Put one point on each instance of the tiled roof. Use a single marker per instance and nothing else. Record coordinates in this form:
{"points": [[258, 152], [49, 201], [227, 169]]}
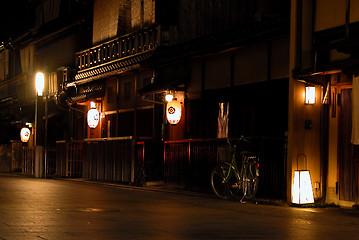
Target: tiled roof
{"points": [[111, 68]]}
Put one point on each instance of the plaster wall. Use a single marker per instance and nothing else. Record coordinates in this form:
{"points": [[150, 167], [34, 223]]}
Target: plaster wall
{"points": [[194, 87], [307, 39], [218, 71], [105, 19], [251, 65], [279, 58], [117, 17], [330, 13], [304, 140], [137, 21]]}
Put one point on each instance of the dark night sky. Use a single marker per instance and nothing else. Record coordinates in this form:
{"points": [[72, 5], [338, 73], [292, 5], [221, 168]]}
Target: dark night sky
{"points": [[13, 18]]}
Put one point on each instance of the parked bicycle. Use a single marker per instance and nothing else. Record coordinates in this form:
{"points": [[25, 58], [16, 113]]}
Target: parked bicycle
{"points": [[227, 177]]}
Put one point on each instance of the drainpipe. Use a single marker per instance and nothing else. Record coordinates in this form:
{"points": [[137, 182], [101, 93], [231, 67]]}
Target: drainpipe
{"points": [[347, 19]]}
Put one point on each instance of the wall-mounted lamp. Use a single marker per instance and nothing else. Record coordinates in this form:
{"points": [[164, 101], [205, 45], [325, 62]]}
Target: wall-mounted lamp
{"points": [[40, 83], [169, 97], [309, 95], [302, 190]]}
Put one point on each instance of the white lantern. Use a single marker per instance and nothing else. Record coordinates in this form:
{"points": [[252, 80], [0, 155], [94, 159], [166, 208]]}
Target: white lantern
{"points": [[93, 116], [173, 111], [302, 191], [24, 134]]}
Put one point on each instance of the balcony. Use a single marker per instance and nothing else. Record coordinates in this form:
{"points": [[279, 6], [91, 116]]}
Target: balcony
{"points": [[118, 54]]}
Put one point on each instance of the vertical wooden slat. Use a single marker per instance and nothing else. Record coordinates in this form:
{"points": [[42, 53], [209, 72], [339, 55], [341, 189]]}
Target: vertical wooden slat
{"points": [[346, 149]]}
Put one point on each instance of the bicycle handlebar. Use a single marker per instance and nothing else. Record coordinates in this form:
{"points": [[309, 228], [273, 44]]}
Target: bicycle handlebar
{"points": [[233, 142]]}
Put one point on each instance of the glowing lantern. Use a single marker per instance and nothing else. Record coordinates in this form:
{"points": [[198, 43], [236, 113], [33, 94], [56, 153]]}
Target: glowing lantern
{"points": [[173, 111], [25, 134], [40, 83], [302, 191], [93, 116], [169, 97], [309, 95]]}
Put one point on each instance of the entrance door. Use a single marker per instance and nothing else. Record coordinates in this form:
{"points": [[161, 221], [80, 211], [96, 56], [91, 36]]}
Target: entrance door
{"points": [[347, 152]]}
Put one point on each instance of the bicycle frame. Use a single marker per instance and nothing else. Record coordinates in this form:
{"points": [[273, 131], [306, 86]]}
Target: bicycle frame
{"points": [[233, 166]]}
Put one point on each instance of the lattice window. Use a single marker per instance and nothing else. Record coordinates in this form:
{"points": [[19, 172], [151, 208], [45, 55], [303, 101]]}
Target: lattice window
{"points": [[53, 86]]}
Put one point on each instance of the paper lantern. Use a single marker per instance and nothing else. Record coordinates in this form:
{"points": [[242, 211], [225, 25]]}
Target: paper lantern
{"points": [[93, 116], [173, 111], [302, 191], [24, 134]]}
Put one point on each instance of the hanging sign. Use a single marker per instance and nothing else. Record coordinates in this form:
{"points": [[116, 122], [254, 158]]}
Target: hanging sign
{"points": [[173, 111], [24, 134], [93, 117]]}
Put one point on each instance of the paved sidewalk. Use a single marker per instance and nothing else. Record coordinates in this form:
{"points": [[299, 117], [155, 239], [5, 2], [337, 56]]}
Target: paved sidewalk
{"points": [[160, 186]]}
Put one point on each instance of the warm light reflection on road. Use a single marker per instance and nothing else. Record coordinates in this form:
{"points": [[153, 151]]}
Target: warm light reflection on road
{"points": [[53, 209]]}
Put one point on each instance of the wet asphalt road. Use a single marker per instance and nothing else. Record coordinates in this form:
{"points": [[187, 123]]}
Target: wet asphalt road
{"points": [[57, 209]]}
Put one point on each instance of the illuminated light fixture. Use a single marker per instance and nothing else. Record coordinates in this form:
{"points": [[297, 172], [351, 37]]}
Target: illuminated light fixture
{"points": [[309, 95], [93, 116], [169, 97], [173, 111], [24, 134], [302, 191], [40, 83]]}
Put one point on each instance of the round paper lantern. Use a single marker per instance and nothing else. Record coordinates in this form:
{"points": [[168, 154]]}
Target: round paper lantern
{"points": [[24, 134], [173, 111], [93, 117]]}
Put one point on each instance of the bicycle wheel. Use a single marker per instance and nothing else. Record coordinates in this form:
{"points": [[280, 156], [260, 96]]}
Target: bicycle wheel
{"points": [[223, 189], [250, 180]]}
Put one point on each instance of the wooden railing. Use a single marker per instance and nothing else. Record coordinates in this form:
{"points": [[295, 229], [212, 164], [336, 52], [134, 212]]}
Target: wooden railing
{"points": [[189, 163], [127, 45], [118, 159], [23, 159], [69, 158]]}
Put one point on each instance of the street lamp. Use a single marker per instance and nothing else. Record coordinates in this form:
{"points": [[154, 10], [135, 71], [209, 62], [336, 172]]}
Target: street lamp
{"points": [[39, 84]]}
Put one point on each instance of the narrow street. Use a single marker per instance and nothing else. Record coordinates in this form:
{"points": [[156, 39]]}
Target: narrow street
{"points": [[58, 209]]}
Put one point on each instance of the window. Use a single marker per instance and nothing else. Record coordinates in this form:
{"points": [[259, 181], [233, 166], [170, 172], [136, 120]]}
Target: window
{"points": [[53, 83]]}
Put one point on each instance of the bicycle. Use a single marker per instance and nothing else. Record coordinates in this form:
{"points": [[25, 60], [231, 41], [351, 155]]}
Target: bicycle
{"points": [[226, 177]]}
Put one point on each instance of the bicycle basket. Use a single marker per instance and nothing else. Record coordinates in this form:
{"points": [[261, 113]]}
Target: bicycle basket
{"points": [[225, 153]]}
